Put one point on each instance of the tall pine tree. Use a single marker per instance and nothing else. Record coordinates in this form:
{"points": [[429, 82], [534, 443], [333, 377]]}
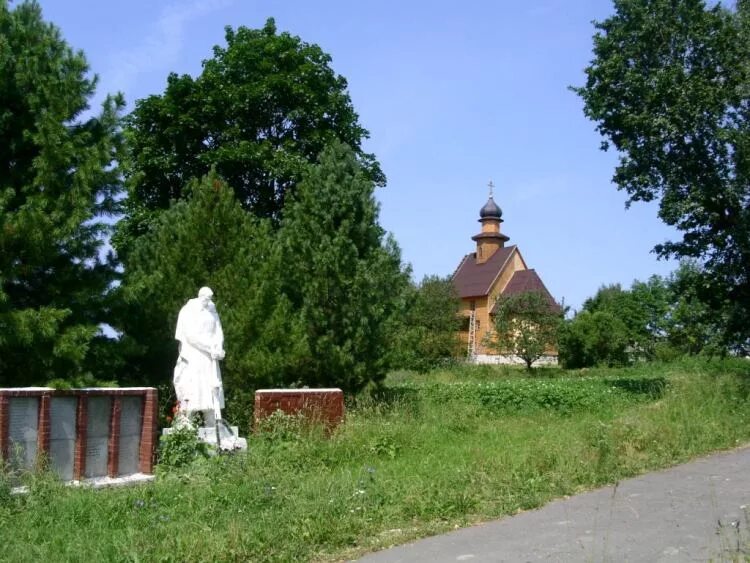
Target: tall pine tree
{"points": [[57, 180], [207, 239], [307, 304], [342, 275]]}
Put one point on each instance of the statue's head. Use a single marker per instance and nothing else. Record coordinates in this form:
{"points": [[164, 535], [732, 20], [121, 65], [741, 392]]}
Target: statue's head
{"points": [[204, 295]]}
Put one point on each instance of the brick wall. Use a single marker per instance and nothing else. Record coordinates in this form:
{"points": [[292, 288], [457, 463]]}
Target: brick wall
{"points": [[319, 405], [149, 430], [4, 419], [148, 424]]}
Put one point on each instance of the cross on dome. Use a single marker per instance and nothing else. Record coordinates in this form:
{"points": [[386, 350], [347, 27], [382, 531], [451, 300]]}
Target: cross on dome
{"points": [[491, 210]]}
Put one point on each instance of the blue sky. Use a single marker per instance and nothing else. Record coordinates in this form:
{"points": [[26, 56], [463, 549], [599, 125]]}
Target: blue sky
{"points": [[453, 94]]}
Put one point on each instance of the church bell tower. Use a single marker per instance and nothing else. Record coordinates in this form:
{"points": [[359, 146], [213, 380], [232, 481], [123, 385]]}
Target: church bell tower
{"points": [[490, 238]]}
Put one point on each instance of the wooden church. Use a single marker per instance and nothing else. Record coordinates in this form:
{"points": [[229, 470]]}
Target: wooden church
{"points": [[491, 271]]}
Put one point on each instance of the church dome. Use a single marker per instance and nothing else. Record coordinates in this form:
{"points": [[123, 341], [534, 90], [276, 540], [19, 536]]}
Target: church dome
{"points": [[491, 210]]}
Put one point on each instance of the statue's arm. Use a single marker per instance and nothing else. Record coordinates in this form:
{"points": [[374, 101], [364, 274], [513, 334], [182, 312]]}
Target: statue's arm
{"points": [[219, 334], [197, 342], [218, 349]]}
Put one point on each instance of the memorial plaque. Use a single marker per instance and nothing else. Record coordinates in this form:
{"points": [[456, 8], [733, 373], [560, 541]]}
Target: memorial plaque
{"points": [[62, 435], [131, 419], [97, 436], [22, 431], [131, 416], [35, 417]]}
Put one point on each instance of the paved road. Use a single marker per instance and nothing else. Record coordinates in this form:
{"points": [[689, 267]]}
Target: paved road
{"points": [[692, 512]]}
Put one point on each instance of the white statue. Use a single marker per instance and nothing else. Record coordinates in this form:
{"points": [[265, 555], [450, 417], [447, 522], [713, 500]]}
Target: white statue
{"points": [[197, 377]]}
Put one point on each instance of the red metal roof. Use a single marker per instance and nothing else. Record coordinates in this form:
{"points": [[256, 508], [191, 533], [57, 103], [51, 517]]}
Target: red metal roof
{"points": [[528, 280], [474, 280]]}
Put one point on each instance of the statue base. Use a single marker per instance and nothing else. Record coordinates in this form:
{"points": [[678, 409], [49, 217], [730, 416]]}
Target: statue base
{"points": [[229, 437]]}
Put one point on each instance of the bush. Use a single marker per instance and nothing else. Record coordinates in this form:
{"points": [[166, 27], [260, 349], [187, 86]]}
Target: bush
{"points": [[181, 446]]}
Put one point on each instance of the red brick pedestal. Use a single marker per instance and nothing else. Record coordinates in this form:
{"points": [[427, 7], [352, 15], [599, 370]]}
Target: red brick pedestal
{"points": [[318, 405]]}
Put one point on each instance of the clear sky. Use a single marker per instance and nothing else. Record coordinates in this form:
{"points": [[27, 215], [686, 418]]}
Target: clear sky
{"points": [[453, 93]]}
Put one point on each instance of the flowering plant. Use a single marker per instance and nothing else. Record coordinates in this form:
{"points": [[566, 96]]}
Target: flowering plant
{"points": [[180, 445]]}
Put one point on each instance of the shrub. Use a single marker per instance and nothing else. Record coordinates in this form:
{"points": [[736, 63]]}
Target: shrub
{"points": [[181, 446]]}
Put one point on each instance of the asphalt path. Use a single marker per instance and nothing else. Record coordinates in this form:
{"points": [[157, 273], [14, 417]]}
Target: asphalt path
{"points": [[691, 512]]}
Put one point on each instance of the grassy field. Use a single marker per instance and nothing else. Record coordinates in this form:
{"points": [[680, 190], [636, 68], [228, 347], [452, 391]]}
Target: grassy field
{"points": [[428, 454]]}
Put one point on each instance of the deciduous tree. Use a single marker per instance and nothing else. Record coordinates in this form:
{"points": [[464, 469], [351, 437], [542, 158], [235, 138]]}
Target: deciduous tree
{"points": [[427, 333], [643, 311], [594, 338], [668, 88], [692, 326], [526, 325], [660, 319], [264, 106]]}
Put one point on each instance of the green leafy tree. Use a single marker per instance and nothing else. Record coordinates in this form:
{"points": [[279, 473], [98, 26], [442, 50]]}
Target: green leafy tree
{"points": [[427, 334], [642, 310], [654, 297], [594, 338], [661, 319], [208, 239], [57, 180], [668, 88], [526, 325], [264, 106], [693, 327], [342, 275]]}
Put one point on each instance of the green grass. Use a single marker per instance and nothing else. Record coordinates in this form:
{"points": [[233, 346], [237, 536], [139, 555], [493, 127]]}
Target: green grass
{"points": [[430, 454]]}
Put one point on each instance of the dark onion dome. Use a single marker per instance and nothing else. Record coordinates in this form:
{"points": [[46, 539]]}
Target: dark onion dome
{"points": [[491, 210]]}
